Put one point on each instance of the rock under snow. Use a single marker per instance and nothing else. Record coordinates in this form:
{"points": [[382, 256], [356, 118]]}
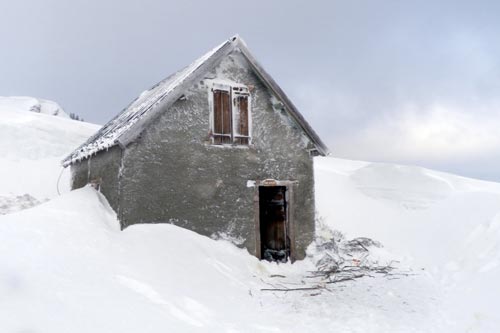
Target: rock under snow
{"points": [[38, 105]]}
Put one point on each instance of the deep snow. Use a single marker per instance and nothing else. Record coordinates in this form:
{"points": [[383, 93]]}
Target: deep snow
{"points": [[66, 266], [31, 148], [448, 225]]}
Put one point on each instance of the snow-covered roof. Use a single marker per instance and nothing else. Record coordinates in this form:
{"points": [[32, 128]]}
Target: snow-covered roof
{"points": [[127, 125]]}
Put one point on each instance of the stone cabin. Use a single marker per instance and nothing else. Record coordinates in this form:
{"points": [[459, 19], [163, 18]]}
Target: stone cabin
{"points": [[217, 148]]}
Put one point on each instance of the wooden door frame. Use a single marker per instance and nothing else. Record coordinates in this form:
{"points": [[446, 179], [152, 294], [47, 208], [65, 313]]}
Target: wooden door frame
{"points": [[288, 184]]}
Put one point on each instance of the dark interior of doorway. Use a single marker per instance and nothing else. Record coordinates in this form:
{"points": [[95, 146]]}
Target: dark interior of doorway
{"points": [[274, 235]]}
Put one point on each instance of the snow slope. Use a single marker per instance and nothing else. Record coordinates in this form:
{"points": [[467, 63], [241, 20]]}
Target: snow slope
{"points": [[31, 148], [66, 266], [447, 224], [25, 103]]}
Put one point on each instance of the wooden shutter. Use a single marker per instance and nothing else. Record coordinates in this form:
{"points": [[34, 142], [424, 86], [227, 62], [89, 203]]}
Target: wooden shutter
{"points": [[242, 126], [222, 117], [217, 112]]}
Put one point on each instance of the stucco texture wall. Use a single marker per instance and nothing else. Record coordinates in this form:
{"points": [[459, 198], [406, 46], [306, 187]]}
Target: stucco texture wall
{"points": [[104, 168], [173, 174]]}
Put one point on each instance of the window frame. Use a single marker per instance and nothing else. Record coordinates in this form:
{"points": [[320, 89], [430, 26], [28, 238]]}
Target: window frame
{"points": [[235, 91], [225, 133]]}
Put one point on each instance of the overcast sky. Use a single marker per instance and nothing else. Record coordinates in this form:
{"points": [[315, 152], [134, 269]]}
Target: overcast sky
{"points": [[396, 81]]}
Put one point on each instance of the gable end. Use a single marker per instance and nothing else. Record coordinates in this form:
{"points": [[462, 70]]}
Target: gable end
{"points": [[128, 125]]}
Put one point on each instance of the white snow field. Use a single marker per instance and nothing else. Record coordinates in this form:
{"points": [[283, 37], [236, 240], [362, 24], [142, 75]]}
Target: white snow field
{"points": [[445, 224], [67, 267], [32, 145]]}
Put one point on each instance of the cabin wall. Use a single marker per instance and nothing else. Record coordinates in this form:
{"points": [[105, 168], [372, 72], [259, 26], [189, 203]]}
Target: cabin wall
{"points": [[104, 168], [79, 174], [173, 174]]}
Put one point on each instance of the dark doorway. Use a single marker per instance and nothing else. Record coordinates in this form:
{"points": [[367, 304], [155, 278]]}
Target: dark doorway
{"points": [[274, 235]]}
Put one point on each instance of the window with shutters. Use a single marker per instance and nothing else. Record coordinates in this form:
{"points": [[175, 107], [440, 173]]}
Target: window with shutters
{"points": [[231, 119]]}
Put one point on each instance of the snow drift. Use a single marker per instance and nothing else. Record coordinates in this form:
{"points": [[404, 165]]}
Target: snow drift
{"points": [[31, 147], [66, 267], [442, 223]]}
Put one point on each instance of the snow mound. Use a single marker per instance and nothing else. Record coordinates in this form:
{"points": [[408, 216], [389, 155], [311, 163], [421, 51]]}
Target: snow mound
{"points": [[408, 186], [24, 103], [31, 148], [445, 224], [67, 267]]}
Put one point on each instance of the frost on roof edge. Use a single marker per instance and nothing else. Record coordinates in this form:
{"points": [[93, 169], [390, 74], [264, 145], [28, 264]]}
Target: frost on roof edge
{"points": [[136, 113], [108, 135]]}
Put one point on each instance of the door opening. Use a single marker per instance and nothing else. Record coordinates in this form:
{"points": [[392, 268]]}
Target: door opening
{"points": [[274, 229]]}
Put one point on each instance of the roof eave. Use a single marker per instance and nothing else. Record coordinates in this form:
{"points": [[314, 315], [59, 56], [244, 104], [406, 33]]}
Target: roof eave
{"points": [[128, 136], [135, 130]]}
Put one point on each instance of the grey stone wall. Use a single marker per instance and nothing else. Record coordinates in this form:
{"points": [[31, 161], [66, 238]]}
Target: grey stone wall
{"points": [[173, 174], [105, 167], [79, 174]]}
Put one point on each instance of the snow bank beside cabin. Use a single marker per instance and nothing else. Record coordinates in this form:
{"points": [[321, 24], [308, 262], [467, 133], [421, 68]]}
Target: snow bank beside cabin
{"points": [[66, 267], [31, 148], [444, 224]]}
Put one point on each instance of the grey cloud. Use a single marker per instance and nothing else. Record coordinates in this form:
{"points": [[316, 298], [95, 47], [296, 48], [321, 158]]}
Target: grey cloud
{"points": [[347, 65]]}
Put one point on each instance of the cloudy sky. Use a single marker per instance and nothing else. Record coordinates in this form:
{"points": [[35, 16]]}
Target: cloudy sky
{"points": [[396, 81]]}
